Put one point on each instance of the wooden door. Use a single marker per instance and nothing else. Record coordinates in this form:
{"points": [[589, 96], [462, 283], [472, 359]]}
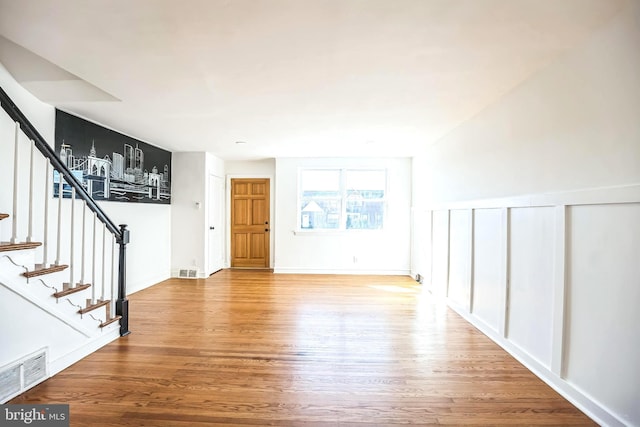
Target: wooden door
{"points": [[250, 222]]}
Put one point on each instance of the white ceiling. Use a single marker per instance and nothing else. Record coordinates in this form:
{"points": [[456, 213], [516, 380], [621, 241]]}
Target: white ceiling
{"points": [[288, 77]]}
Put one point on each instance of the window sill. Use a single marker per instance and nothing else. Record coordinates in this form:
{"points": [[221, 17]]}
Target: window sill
{"points": [[335, 232]]}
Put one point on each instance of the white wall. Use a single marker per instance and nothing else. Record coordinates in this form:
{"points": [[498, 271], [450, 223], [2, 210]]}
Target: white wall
{"points": [[266, 167], [149, 250], [189, 230], [573, 125], [550, 176], [384, 251]]}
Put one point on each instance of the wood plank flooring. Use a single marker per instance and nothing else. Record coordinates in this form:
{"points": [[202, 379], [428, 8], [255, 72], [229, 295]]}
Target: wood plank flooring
{"points": [[245, 348]]}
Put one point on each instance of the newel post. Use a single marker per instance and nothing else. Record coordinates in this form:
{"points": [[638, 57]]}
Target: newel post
{"points": [[122, 303]]}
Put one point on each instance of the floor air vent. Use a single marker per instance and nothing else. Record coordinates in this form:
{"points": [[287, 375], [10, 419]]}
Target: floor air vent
{"points": [[22, 375], [188, 274]]}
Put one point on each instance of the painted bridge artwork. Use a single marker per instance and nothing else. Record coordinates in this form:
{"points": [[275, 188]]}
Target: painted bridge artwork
{"points": [[116, 168]]}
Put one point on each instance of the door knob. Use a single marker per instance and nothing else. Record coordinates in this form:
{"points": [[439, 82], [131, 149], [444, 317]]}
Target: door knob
{"points": [[212, 228], [266, 229]]}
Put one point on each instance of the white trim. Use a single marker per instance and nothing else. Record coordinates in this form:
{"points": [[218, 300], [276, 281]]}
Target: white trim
{"points": [[336, 232], [578, 398], [470, 270], [291, 270], [133, 287], [504, 272], [554, 374], [430, 285], [559, 286], [590, 196], [83, 351]]}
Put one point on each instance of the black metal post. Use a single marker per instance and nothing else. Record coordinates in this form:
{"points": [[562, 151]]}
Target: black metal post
{"points": [[122, 303]]}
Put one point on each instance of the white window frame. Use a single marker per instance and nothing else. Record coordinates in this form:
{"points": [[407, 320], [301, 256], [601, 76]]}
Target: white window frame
{"points": [[343, 197]]}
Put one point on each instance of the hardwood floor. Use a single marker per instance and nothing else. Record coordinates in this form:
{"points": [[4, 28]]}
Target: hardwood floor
{"points": [[256, 348]]}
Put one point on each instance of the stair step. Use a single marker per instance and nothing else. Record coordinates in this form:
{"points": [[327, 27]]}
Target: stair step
{"points": [[45, 270], [3, 216], [7, 246], [93, 307], [70, 291], [110, 321]]}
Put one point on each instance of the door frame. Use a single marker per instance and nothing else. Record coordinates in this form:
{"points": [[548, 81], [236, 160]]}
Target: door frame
{"points": [[272, 208], [221, 225]]}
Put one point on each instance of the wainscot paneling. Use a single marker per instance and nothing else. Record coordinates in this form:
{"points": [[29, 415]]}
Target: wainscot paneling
{"points": [[488, 247], [603, 293], [552, 278], [440, 253], [531, 255], [460, 237]]}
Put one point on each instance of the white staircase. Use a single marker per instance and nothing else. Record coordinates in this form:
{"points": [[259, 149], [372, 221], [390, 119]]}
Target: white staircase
{"points": [[62, 291]]}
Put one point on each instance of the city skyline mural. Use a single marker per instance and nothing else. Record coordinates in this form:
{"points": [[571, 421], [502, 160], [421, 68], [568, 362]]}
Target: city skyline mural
{"points": [[110, 165]]}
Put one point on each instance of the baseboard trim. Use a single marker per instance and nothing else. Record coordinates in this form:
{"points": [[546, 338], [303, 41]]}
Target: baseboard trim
{"points": [[286, 270], [146, 283], [83, 351], [582, 401]]}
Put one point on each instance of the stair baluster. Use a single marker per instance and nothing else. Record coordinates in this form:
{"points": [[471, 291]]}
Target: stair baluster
{"points": [[60, 197], [112, 308], [72, 282], [114, 299], [104, 261], [14, 215], [31, 179], [93, 263], [83, 277], [45, 232]]}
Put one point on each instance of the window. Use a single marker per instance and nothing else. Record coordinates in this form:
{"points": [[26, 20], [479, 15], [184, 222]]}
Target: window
{"points": [[341, 199]]}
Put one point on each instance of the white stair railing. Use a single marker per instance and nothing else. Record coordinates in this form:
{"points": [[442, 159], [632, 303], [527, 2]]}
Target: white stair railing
{"points": [[26, 212]]}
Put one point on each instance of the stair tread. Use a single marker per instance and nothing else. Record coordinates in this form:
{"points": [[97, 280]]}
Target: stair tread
{"points": [[3, 216], [110, 321], [71, 290], [8, 246], [93, 306], [45, 270]]}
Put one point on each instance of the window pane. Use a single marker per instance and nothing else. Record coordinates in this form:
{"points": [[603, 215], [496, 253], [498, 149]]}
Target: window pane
{"points": [[320, 213], [366, 180], [320, 180], [365, 199], [321, 204], [365, 214]]}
